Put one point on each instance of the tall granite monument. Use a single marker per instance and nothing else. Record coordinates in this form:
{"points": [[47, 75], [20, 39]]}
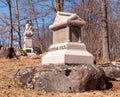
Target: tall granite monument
{"points": [[67, 47], [28, 43]]}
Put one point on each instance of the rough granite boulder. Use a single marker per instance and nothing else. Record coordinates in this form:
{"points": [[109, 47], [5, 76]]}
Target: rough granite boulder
{"points": [[112, 70], [7, 52], [63, 78], [3, 52]]}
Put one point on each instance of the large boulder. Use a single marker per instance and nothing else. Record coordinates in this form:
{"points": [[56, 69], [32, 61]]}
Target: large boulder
{"points": [[3, 52], [7, 52], [112, 69], [63, 78], [20, 52]]}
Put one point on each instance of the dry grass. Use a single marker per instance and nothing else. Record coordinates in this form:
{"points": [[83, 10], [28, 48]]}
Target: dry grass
{"points": [[10, 87]]}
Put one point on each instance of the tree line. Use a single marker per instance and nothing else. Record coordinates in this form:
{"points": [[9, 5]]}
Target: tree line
{"points": [[101, 34]]}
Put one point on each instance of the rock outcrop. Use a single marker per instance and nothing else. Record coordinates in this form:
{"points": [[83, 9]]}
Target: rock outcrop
{"points": [[112, 69], [7, 52], [63, 78]]}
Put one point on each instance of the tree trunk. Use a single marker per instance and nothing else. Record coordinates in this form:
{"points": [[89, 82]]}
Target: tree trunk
{"points": [[41, 46], [58, 5], [104, 30], [10, 53], [18, 23], [10, 19]]}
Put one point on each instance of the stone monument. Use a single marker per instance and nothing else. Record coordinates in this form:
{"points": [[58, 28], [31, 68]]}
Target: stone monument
{"points": [[67, 47], [28, 45]]}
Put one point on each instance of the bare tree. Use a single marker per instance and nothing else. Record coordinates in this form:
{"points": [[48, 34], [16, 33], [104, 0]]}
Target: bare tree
{"points": [[9, 52], [90, 11], [94, 33], [104, 30], [10, 20], [58, 5], [18, 23]]}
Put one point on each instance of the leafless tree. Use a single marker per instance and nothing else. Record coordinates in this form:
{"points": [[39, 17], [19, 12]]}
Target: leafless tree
{"points": [[58, 5], [92, 34], [104, 29], [18, 23], [10, 20], [42, 14]]}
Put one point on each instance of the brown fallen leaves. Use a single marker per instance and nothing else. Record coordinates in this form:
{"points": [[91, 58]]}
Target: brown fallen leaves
{"points": [[10, 87]]}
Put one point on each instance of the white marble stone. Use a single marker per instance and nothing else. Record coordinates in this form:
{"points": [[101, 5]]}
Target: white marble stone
{"points": [[28, 41], [67, 53], [67, 47]]}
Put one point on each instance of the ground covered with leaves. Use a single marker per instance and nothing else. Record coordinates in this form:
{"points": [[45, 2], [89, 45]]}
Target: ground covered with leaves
{"points": [[10, 87]]}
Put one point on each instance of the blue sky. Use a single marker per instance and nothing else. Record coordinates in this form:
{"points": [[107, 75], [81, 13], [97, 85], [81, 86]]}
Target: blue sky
{"points": [[3, 9]]}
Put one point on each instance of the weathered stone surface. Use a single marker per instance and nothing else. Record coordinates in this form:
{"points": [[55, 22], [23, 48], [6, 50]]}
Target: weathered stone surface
{"points": [[112, 70], [20, 52], [7, 52], [3, 52], [63, 78]]}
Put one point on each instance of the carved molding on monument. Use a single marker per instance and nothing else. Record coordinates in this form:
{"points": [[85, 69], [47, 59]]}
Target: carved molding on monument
{"points": [[58, 48], [63, 18]]}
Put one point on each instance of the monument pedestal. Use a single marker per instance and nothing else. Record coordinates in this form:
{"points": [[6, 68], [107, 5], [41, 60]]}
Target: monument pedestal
{"points": [[67, 47], [67, 53], [28, 45]]}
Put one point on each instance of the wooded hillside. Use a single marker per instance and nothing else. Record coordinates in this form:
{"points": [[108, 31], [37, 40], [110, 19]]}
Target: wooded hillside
{"points": [[101, 34]]}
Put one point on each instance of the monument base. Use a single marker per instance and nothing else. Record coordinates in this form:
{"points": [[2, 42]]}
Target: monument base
{"points": [[67, 53], [29, 51]]}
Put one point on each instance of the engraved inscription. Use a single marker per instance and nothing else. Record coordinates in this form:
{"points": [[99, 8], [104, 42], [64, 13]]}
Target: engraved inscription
{"points": [[57, 48]]}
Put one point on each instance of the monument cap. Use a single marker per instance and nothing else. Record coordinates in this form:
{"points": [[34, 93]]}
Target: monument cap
{"points": [[62, 19]]}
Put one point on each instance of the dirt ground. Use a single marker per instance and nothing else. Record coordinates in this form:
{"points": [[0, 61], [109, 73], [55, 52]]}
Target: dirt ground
{"points": [[10, 87]]}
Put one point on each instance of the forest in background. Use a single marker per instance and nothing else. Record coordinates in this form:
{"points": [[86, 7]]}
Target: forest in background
{"points": [[42, 14]]}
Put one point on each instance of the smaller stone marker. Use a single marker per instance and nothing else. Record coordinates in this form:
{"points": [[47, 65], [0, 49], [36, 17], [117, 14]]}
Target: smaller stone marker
{"points": [[28, 41], [67, 47]]}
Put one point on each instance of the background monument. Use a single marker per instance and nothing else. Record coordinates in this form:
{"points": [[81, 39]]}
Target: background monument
{"points": [[28, 43], [67, 47]]}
